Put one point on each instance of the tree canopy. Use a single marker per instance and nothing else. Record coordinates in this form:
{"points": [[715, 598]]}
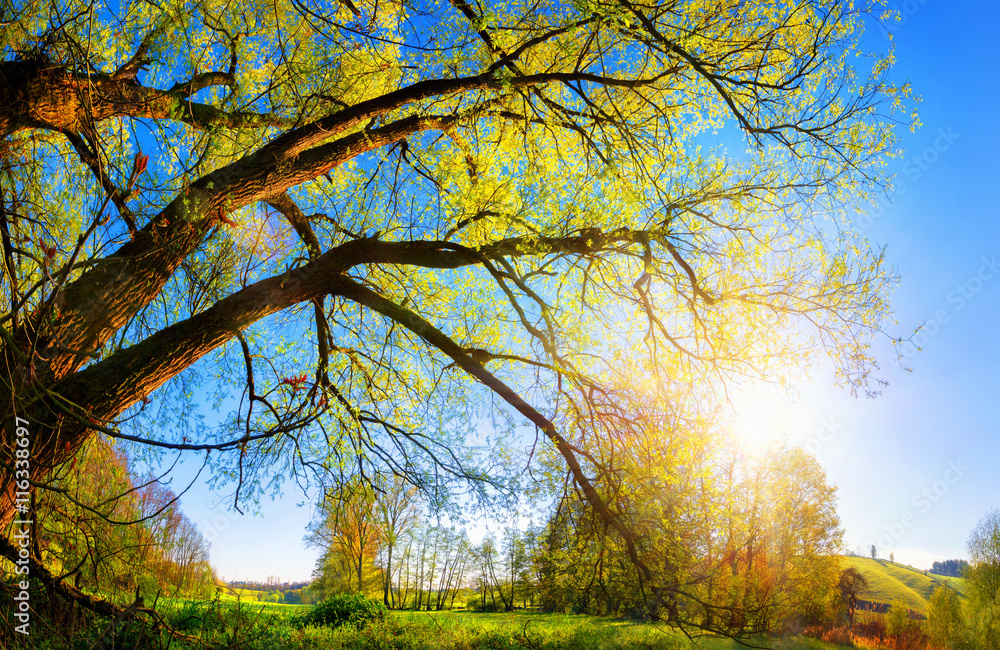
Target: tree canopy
{"points": [[364, 229]]}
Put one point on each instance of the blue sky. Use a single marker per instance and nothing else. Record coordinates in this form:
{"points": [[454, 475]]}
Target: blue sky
{"points": [[916, 467]]}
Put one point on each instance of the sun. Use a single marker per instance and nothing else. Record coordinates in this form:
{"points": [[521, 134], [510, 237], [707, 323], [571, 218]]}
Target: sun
{"points": [[763, 417]]}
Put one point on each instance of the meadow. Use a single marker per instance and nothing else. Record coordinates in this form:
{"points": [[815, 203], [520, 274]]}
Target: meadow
{"points": [[236, 618], [890, 583], [227, 623]]}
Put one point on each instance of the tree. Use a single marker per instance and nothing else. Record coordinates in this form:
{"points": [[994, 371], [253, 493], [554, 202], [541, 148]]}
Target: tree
{"points": [[397, 513], [951, 568], [417, 208], [984, 557], [851, 585], [803, 537], [750, 544], [349, 537], [944, 617], [982, 615]]}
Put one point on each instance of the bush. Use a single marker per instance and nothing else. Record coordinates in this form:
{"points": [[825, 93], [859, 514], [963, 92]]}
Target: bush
{"points": [[352, 609], [476, 605], [945, 616]]}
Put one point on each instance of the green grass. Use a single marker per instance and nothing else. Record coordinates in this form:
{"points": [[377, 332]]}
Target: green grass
{"points": [[246, 602], [260, 626], [551, 631], [242, 595], [889, 582]]}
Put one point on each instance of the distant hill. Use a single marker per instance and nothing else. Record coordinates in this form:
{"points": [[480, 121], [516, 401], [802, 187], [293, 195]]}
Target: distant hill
{"points": [[890, 582]]}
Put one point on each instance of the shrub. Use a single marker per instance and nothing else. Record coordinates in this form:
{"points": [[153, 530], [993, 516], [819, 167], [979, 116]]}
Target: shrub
{"points": [[353, 609], [945, 616], [476, 605], [898, 622]]}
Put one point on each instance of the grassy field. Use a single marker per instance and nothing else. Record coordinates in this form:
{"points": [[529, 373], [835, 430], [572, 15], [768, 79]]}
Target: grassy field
{"points": [[256, 625], [571, 631], [270, 625], [889, 582], [242, 595]]}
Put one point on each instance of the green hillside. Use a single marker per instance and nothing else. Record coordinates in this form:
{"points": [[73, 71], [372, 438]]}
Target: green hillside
{"points": [[242, 595], [889, 582]]}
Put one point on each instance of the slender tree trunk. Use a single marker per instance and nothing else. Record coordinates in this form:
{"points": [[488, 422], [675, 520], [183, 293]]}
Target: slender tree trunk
{"points": [[387, 581]]}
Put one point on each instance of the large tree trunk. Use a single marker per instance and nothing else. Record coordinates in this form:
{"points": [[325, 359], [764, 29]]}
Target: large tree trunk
{"points": [[41, 355]]}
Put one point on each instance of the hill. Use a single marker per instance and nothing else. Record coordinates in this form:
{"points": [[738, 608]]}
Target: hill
{"points": [[889, 582]]}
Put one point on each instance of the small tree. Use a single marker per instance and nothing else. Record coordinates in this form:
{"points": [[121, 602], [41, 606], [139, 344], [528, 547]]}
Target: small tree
{"points": [[944, 616], [899, 625], [874, 552], [851, 585], [983, 576], [984, 556]]}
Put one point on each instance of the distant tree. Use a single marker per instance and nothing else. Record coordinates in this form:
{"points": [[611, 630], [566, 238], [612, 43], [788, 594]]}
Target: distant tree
{"points": [[349, 536], [396, 507], [899, 626], [851, 585], [493, 560], [802, 533], [753, 541], [516, 562], [950, 568], [874, 552], [892, 557], [453, 550]]}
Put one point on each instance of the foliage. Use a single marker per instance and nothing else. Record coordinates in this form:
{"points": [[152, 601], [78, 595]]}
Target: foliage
{"points": [[983, 573], [133, 536], [345, 609], [898, 621], [944, 617], [851, 585], [350, 538], [952, 568], [753, 542], [980, 629], [377, 230], [980, 625]]}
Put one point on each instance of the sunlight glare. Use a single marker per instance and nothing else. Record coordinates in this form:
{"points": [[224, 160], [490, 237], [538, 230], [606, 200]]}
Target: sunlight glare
{"points": [[763, 417]]}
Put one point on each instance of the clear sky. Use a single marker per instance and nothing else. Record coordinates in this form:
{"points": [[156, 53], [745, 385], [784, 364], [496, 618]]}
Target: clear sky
{"points": [[918, 466]]}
